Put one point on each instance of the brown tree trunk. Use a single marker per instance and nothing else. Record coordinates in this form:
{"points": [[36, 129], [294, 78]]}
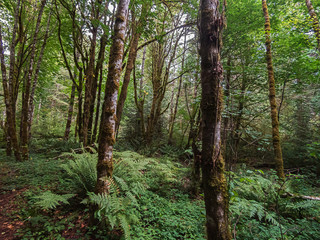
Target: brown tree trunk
{"points": [[70, 113], [272, 97], [160, 81], [315, 22], [108, 118], [213, 178], [35, 80], [96, 120], [126, 80], [103, 43], [8, 87], [25, 102], [171, 124], [88, 98]]}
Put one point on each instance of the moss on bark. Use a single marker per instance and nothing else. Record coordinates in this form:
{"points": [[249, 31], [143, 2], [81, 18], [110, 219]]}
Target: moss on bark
{"points": [[272, 96]]}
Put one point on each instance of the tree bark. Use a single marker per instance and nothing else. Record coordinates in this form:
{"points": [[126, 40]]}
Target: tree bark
{"points": [[70, 113], [212, 163], [315, 22], [99, 65], [178, 94], [8, 88], [126, 80], [108, 117], [35, 79], [25, 101], [96, 120], [88, 97], [272, 96]]}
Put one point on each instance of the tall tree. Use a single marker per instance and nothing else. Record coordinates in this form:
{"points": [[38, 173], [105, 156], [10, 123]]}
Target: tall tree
{"points": [[8, 87], [108, 117], [272, 96], [212, 163], [27, 90]]}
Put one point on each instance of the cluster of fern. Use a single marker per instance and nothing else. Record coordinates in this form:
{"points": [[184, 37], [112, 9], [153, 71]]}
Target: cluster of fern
{"points": [[132, 175], [262, 207]]}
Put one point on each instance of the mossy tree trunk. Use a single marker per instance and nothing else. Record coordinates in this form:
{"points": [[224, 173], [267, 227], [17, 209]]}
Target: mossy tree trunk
{"points": [[212, 163], [12, 139], [35, 78], [26, 97], [108, 117], [315, 22], [139, 98], [272, 96], [90, 78], [98, 69]]}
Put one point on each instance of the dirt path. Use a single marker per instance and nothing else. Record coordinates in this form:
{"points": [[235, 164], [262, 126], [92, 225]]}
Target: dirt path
{"points": [[9, 218]]}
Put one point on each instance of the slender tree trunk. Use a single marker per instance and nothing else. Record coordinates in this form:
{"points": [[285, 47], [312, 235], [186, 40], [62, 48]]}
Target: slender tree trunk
{"points": [[96, 120], [108, 118], [25, 101], [88, 98], [8, 87], [103, 43], [213, 178], [315, 22], [272, 96], [70, 113], [126, 80], [35, 80], [226, 122], [178, 94]]}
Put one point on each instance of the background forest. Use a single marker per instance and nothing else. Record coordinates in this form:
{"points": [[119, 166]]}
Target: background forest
{"points": [[55, 59]]}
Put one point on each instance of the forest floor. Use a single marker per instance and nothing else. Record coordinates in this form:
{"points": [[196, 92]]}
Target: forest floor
{"points": [[259, 206], [14, 209]]}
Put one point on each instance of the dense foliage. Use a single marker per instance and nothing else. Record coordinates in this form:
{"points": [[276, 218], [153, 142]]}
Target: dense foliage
{"points": [[55, 59]]}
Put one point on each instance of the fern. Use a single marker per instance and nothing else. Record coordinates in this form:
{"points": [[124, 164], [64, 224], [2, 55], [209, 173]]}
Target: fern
{"points": [[82, 171], [49, 200]]}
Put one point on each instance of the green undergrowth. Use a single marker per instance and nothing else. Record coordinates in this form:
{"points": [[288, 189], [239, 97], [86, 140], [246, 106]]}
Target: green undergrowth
{"points": [[263, 207], [150, 198]]}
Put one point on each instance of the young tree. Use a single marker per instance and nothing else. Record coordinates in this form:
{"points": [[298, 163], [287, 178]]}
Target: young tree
{"points": [[272, 96], [214, 181]]}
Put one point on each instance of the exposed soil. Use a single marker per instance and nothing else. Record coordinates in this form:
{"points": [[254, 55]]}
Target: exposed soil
{"points": [[9, 217], [12, 202]]}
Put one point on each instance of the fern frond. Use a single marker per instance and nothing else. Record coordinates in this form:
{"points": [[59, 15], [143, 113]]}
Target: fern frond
{"points": [[49, 200]]}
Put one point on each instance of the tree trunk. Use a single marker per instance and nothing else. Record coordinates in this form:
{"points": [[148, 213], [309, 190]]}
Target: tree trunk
{"points": [[70, 113], [178, 94], [35, 79], [126, 80], [96, 120], [108, 117], [25, 102], [212, 163], [315, 22], [272, 97], [8, 89], [88, 98]]}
